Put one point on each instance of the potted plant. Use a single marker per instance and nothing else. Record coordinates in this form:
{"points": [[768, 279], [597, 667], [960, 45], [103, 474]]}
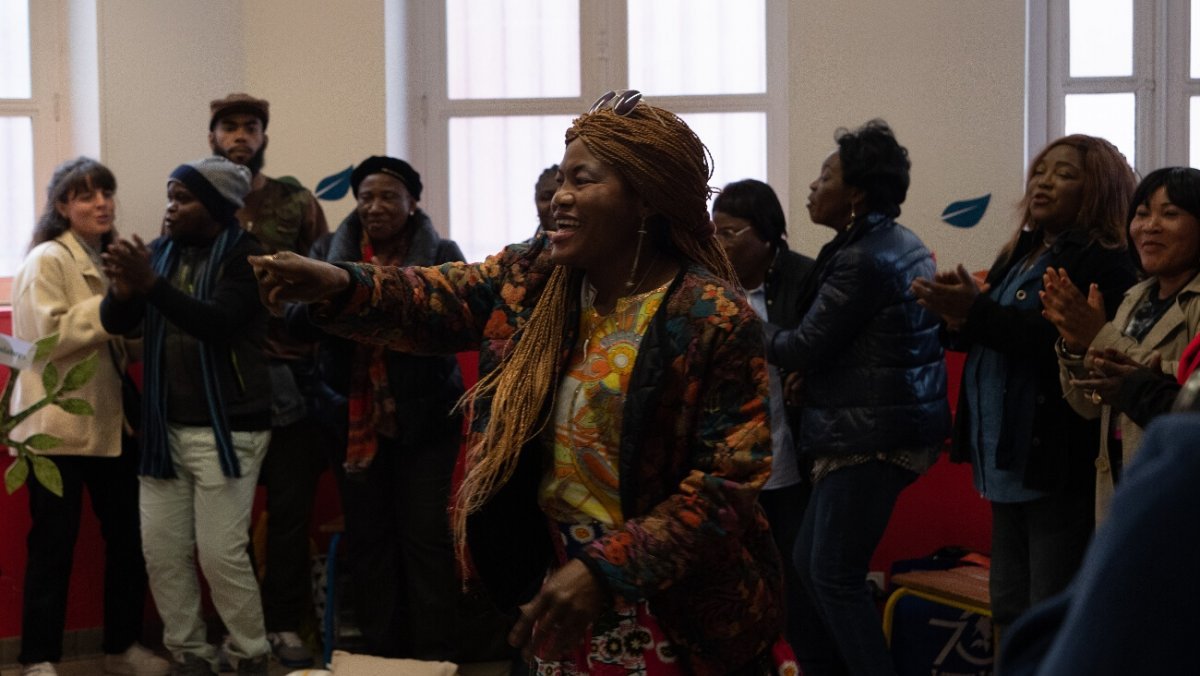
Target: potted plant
{"points": [[58, 390]]}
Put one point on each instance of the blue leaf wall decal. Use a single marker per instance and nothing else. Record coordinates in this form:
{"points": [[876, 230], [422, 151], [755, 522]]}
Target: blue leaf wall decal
{"points": [[966, 213], [335, 186]]}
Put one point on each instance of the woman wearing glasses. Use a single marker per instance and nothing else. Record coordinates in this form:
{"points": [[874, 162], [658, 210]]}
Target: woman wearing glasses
{"points": [[753, 231], [618, 438], [1156, 320], [1031, 455], [874, 410]]}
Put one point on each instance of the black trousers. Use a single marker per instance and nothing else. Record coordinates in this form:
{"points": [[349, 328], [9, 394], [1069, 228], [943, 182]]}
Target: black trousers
{"points": [[295, 460], [407, 597], [112, 485]]}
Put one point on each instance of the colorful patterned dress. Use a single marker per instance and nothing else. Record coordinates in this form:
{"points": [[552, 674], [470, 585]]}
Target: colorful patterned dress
{"points": [[580, 492]]}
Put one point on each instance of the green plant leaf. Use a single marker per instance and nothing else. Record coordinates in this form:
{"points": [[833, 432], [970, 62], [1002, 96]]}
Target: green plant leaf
{"points": [[43, 442], [80, 373], [14, 476], [50, 377], [77, 406], [47, 474], [45, 346]]}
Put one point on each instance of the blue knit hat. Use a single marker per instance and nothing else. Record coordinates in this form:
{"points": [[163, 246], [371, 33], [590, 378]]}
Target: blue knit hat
{"points": [[219, 184]]}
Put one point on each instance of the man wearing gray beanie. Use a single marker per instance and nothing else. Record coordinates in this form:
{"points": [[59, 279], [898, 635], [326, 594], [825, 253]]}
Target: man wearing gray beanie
{"points": [[206, 416]]}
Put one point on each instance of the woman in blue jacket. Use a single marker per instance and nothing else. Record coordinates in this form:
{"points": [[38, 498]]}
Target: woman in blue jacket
{"points": [[874, 410]]}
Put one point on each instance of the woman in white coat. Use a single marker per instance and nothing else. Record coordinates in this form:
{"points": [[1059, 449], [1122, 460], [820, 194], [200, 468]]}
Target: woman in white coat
{"points": [[58, 290]]}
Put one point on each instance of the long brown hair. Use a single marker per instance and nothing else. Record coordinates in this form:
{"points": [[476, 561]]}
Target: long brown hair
{"points": [[69, 179], [1108, 183], [668, 167]]}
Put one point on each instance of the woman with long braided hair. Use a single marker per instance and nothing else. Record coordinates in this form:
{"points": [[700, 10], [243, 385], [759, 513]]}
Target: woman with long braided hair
{"points": [[618, 431]]}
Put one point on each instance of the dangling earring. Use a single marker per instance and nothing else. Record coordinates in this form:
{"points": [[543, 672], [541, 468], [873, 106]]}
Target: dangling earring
{"points": [[637, 254], [852, 216]]}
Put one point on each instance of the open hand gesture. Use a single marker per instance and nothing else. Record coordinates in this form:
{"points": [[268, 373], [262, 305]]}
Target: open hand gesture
{"points": [[127, 265], [1078, 319], [950, 295], [288, 278], [556, 621]]}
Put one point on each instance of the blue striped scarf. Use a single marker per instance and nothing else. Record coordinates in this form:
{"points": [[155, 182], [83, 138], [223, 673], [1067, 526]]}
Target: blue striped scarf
{"points": [[156, 449]]}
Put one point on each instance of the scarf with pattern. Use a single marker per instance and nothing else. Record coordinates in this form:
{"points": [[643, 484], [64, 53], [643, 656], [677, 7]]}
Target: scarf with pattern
{"points": [[372, 408], [156, 450]]}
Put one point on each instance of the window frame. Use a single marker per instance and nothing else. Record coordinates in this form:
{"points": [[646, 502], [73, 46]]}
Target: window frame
{"points": [[603, 65], [43, 105], [1160, 81]]}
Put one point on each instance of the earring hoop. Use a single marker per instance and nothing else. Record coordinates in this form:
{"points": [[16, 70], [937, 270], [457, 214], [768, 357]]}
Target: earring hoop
{"points": [[637, 255]]}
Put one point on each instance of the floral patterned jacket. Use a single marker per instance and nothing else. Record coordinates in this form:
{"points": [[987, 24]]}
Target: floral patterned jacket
{"points": [[695, 445]]}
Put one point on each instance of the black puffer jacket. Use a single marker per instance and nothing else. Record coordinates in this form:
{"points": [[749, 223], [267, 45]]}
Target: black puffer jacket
{"points": [[873, 369]]}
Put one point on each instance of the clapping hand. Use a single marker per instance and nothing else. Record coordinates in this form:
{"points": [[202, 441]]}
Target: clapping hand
{"points": [[1108, 370], [127, 265], [1078, 319], [950, 295]]}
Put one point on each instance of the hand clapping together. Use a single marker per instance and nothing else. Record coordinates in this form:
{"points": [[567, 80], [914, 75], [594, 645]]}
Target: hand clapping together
{"points": [[949, 295], [127, 264], [1078, 319]]}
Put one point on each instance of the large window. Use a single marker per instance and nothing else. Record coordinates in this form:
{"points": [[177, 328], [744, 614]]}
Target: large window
{"points": [[1127, 70], [500, 81], [17, 110]]}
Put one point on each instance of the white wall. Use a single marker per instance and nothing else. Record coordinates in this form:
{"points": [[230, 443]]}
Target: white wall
{"points": [[160, 64], [947, 74], [321, 65]]}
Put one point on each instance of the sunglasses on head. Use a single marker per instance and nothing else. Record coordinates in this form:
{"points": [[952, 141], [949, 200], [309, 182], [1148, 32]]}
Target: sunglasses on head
{"points": [[622, 102]]}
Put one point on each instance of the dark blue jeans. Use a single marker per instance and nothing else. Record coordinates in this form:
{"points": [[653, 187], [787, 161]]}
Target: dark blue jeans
{"points": [[846, 517], [805, 631], [1037, 547], [112, 485]]}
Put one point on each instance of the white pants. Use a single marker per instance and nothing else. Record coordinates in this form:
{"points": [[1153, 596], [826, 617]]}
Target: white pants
{"points": [[203, 511]]}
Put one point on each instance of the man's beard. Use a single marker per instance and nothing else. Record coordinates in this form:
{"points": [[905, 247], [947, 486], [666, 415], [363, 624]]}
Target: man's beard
{"points": [[254, 164]]}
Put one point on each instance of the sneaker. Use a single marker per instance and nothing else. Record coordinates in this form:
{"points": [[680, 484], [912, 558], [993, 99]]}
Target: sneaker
{"points": [[136, 661], [190, 664], [253, 666], [289, 649], [225, 656], [38, 669]]}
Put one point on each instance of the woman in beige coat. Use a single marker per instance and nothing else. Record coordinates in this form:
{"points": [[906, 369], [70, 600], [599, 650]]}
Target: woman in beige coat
{"points": [[1157, 319], [58, 290]]}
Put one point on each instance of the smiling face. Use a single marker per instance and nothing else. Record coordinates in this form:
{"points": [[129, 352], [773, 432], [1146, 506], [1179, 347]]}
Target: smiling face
{"points": [[187, 220], [1167, 239], [596, 215], [90, 211], [384, 206], [1055, 189], [830, 201]]}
